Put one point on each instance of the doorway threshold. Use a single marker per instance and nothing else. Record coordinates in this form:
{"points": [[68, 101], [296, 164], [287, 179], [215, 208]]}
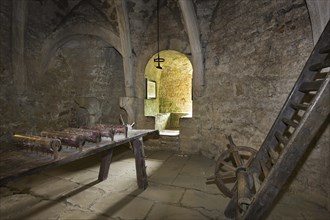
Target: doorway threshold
{"points": [[169, 132]]}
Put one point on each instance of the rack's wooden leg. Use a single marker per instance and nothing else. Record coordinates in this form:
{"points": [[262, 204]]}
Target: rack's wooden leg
{"points": [[105, 165], [141, 174]]}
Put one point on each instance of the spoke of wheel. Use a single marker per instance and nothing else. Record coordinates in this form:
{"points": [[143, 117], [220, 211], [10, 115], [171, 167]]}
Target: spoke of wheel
{"points": [[234, 187], [247, 164], [237, 158], [228, 175], [228, 165]]}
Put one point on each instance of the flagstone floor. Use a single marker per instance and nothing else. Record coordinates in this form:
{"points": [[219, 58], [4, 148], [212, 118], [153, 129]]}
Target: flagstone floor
{"points": [[177, 190]]}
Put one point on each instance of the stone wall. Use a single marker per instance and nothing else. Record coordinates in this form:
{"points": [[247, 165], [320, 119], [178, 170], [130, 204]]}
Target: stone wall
{"points": [[253, 50], [74, 73], [6, 76]]}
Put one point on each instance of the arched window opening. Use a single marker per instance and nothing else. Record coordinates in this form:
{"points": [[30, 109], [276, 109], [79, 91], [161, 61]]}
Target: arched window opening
{"points": [[169, 91]]}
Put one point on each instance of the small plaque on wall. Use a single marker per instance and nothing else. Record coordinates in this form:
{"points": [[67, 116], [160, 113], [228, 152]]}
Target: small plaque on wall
{"points": [[151, 89]]}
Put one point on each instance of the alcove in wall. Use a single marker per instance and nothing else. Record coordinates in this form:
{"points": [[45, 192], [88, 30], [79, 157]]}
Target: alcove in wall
{"points": [[82, 84], [169, 91]]}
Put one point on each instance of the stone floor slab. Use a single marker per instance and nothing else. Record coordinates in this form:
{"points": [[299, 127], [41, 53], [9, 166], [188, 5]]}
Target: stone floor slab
{"points": [[118, 184], [165, 174], [160, 155], [162, 193], [28, 182], [75, 214], [177, 190], [85, 198], [198, 199], [56, 189], [195, 182], [295, 207], [42, 210], [123, 206], [170, 212], [10, 205], [198, 166], [84, 177]]}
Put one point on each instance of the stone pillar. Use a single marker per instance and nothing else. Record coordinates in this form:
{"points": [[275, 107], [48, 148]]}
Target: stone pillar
{"points": [[19, 17], [319, 12], [93, 106], [130, 105], [125, 38], [190, 20]]}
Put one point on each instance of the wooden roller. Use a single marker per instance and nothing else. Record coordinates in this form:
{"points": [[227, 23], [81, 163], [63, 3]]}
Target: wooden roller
{"points": [[67, 138], [115, 128], [89, 134], [243, 189], [111, 130], [39, 144]]}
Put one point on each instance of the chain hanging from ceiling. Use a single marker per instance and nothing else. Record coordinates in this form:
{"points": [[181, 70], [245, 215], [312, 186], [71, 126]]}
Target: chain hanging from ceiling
{"points": [[158, 60]]}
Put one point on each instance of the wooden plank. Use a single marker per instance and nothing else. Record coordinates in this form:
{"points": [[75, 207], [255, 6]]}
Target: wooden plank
{"points": [[297, 106], [281, 138], [290, 122], [140, 166], [256, 181], [320, 66], [311, 86], [325, 49], [105, 165], [264, 168], [273, 155]]}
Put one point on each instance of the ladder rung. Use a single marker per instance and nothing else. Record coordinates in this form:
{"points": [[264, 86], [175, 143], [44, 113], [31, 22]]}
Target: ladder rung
{"points": [[290, 122], [299, 106], [310, 86], [273, 155], [325, 49], [281, 138], [319, 66], [256, 181], [264, 168]]}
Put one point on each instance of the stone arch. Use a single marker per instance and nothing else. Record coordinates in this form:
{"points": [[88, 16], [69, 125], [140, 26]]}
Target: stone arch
{"points": [[141, 64], [68, 33], [168, 90]]}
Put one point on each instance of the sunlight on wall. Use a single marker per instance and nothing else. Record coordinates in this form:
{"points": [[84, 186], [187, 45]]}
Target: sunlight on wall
{"points": [[169, 90], [173, 84]]}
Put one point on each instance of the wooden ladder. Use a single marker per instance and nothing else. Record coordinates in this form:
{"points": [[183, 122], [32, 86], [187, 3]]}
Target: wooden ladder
{"points": [[304, 113]]}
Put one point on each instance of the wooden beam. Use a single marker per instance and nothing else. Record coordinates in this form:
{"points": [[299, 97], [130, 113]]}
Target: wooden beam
{"points": [[141, 174], [105, 166]]}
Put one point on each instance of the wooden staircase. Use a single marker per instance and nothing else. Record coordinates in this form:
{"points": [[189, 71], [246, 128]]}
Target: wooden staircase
{"points": [[305, 111]]}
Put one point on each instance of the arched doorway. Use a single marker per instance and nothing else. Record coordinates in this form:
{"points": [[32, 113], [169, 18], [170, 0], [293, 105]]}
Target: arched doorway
{"points": [[169, 91]]}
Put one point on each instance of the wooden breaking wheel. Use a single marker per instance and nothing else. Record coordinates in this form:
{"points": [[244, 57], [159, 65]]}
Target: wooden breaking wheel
{"points": [[229, 161]]}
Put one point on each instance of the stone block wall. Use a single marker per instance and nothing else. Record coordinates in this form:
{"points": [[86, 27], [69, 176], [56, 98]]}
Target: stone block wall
{"points": [[253, 53], [73, 75]]}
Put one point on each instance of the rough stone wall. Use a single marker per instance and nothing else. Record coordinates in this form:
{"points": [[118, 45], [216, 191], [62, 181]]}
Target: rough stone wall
{"points": [[252, 59], [254, 52], [83, 79], [175, 91], [82, 85], [6, 78]]}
